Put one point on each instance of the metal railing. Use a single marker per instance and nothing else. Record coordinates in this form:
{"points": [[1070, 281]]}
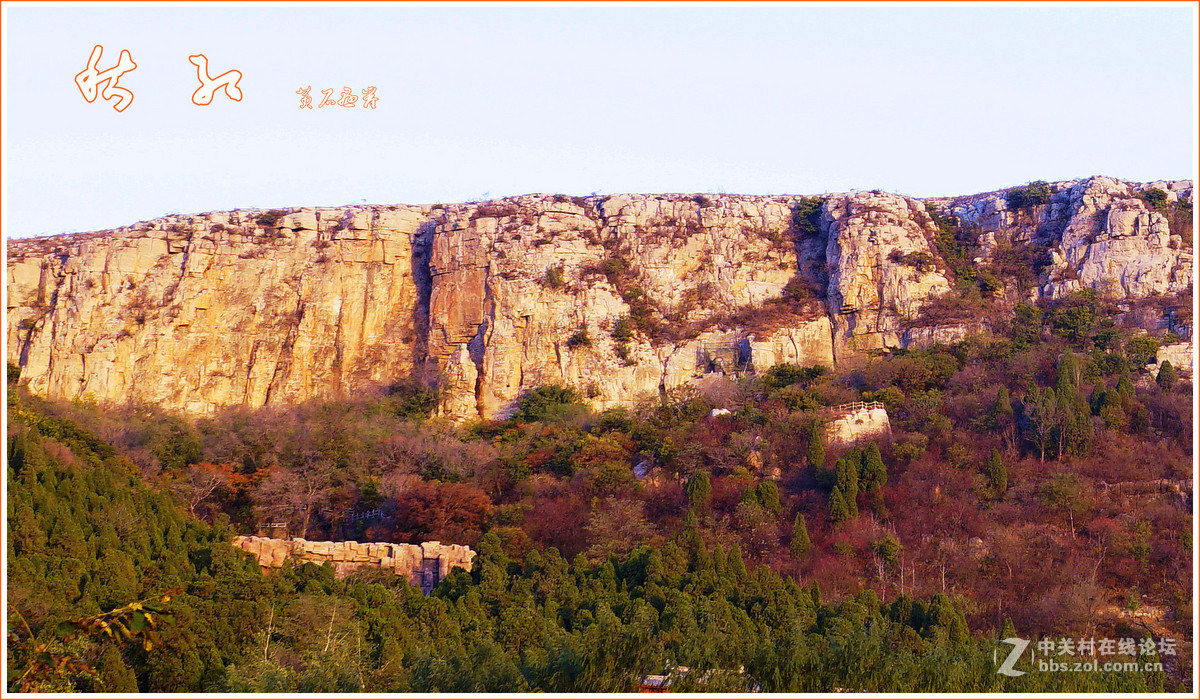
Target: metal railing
{"points": [[855, 406]]}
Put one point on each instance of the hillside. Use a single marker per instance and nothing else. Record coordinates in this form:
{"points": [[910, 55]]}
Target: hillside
{"points": [[87, 535]]}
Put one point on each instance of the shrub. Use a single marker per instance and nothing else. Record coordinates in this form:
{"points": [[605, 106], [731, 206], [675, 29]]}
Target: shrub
{"points": [[1179, 219], [954, 239], [787, 374], [548, 403], [799, 399], [1034, 194], [921, 261], [624, 329], [1142, 350], [622, 351], [270, 218], [989, 282], [553, 279], [412, 399], [1154, 198], [580, 339], [807, 216]]}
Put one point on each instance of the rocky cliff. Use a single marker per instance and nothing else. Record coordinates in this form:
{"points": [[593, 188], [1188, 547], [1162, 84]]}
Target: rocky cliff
{"points": [[620, 296]]}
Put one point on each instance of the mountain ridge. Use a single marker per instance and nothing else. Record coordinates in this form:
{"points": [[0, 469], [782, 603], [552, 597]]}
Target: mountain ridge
{"points": [[618, 296]]}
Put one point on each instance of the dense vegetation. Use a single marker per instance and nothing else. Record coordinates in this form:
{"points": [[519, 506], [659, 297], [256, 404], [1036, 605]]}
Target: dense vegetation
{"points": [[1031, 486]]}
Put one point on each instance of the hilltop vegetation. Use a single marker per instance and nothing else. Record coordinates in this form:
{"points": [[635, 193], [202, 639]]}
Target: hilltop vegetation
{"points": [[1030, 484]]}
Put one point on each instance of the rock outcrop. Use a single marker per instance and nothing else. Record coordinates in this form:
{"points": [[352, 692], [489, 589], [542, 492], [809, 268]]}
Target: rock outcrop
{"points": [[1099, 233], [871, 288], [1178, 354], [621, 296], [423, 565], [857, 423]]}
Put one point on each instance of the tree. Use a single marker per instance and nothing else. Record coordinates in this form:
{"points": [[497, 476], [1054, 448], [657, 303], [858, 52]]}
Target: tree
{"points": [[200, 482], [1002, 415], [285, 494], [768, 497], [839, 512], [800, 540], [699, 490], [846, 474], [1112, 411], [886, 553], [1167, 376], [1066, 494], [1067, 373], [548, 403], [1042, 410], [1142, 350], [816, 451], [997, 475], [874, 473], [616, 526], [1074, 431], [445, 512], [1125, 385]]}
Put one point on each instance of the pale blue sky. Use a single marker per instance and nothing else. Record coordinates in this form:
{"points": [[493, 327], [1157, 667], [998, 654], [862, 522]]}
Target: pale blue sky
{"points": [[479, 102]]}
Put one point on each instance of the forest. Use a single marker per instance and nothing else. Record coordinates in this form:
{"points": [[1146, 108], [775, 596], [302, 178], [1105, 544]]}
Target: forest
{"points": [[1037, 484]]}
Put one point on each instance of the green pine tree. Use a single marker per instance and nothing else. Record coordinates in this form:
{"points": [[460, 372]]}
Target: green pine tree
{"points": [[699, 491], [800, 540], [839, 512], [997, 475], [1125, 385], [846, 473], [874, 473], [816, 450], [1067, 373], [1167, 376], [768, 497]]}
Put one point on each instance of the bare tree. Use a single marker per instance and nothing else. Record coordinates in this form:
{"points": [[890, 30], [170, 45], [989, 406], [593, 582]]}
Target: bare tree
{"points": [[199, 482]]}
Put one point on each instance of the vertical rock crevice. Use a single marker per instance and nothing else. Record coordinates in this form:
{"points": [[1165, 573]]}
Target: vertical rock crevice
{"points": [[422, 275]]}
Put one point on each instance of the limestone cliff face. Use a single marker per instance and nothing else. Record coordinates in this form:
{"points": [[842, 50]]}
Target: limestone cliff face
{"points": [[870, 290], [620, 296], [198, 312], [1099, 232]]}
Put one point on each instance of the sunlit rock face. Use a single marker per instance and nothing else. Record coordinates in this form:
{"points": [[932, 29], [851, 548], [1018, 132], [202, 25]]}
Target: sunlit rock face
{"points": [[621, 297]]}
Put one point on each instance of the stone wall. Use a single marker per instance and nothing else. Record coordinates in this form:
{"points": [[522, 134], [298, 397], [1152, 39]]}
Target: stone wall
{"points": [[422, 564]]}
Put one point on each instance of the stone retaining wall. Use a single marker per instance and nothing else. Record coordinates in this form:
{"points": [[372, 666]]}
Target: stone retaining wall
{"points": [[422, 564]]}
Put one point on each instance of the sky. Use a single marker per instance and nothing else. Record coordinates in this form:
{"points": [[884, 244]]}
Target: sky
{"points": [[477, 102]]}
